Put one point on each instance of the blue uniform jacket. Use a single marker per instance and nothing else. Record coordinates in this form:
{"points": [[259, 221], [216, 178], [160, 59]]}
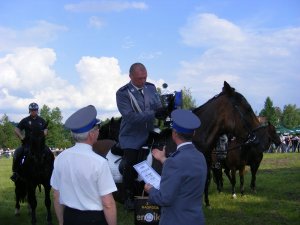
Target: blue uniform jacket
{"points": [[181, 188], [135, 125]]}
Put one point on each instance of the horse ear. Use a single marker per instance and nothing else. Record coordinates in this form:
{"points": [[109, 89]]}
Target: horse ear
{"points": [[227, 88]]}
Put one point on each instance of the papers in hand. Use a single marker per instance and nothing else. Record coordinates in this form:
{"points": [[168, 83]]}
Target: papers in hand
{"points": [[148, 174]]}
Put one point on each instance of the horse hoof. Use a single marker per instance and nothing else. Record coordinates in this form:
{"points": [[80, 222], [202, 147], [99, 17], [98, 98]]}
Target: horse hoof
{"points": [[234, 196]]}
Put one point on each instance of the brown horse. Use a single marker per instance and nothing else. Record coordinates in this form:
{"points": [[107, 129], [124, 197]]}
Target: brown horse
{"points": [[240, 154], [227, 112]]}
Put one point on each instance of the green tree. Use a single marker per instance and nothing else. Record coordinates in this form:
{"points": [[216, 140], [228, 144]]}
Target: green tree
{"points": [[8, 138], [187, 99], [290, 116], [57, 136], [278, 113], [269, 112]]}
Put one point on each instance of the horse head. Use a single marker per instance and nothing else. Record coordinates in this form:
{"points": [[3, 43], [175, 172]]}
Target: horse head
{"points": [[273, 136], [110, 130], [226, 113]]}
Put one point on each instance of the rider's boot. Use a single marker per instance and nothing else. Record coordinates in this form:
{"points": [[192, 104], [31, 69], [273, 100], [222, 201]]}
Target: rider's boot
{"points": [[129, 202]]}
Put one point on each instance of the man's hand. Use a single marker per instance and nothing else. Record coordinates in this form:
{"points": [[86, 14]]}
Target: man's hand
{"points": [[147, 187], [161, 113], [159, 155]]}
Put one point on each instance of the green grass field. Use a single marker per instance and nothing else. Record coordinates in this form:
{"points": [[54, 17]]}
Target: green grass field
{"points": [[277, 200]]}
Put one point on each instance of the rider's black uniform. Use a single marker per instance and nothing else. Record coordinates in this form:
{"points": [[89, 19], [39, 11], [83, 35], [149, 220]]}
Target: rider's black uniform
{"points": [[25, 124]]}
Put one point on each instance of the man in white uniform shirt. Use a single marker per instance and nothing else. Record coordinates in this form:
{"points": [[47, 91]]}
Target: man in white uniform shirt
{"points": [[81, 179]]}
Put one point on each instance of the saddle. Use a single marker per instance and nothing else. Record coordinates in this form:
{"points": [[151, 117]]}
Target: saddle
{"points": [[116, 163]]}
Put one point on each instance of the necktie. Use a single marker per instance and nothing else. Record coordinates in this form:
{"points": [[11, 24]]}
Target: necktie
{"points": [[141, 91]]}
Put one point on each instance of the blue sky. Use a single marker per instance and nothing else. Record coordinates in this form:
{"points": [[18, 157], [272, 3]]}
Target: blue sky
{"points": [[69, 54]]}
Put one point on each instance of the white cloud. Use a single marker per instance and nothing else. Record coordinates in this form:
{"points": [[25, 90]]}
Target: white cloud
{"points": [[208, 29], [27, 76], [150, 55], [105, 6], [259, 63], [128, 43], [42, 32], [96, 22]]}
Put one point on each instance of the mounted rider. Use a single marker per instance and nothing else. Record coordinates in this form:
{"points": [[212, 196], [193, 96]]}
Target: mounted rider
{"points": [[26, 125]]}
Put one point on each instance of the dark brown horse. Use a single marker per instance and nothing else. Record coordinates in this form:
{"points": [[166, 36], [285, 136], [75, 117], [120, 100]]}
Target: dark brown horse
{"points": [[110, 129], [35, 171], [241, 154], [227, 112]]}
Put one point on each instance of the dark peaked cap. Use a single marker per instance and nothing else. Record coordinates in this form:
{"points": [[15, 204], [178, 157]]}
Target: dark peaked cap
{"points": [[82, 120], [184, 121]]}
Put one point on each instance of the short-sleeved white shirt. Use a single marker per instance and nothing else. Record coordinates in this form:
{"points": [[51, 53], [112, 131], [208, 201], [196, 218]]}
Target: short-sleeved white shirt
{"points": [[82, 177]]}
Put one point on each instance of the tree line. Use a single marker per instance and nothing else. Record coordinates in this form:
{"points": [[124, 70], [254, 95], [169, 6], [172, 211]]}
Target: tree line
{"points": [[59, 137], [289, 117]]}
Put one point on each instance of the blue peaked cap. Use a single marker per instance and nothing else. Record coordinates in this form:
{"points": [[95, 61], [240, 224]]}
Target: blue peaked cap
{"points": [[184, 121], [82, 120]]}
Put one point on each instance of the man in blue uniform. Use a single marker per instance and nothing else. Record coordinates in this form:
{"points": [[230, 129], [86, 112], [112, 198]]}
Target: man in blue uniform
{"points": [[183, 175], [139, 104], [26, 124]]}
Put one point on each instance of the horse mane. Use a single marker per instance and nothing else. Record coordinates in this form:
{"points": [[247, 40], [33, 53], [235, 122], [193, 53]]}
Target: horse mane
{"points": [[227, 89], [227, 112], [234, 96]]}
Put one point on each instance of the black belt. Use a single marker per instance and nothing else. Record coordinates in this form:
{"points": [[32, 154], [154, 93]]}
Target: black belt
{"points": [[87, 217]]}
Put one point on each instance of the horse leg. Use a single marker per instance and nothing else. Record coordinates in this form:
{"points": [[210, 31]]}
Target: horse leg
{"points": [[47, 189], [32, 203], [227, 172], [254, 169], [20, 193], [217, 174], [17, 206], [241, 172], [207, 182], [233, 182]]}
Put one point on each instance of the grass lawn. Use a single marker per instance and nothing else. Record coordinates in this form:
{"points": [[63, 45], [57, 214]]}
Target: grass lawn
{"points": [[277, 200]]}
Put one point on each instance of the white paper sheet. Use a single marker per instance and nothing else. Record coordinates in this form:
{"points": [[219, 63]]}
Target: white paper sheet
{"points": [[148, 174]]}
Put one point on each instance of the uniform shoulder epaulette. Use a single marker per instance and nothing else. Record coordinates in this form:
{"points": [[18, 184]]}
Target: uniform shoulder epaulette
{"points": [[148, 83], [123, 88]]}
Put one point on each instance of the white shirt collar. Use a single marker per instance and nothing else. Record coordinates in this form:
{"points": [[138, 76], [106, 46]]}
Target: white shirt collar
{"points": [[185, 143], [136, 87]]}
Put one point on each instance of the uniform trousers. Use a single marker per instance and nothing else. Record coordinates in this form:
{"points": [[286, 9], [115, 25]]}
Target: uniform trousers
{"points": [[129, 174], [86, 217]]}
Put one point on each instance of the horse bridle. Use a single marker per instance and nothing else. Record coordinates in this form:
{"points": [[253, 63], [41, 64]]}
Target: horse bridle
{"points": [[248, 142]]}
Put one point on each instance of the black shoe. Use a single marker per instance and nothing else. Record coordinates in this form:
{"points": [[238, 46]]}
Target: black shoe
{"points": [[129, 204], [14, 177]]}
